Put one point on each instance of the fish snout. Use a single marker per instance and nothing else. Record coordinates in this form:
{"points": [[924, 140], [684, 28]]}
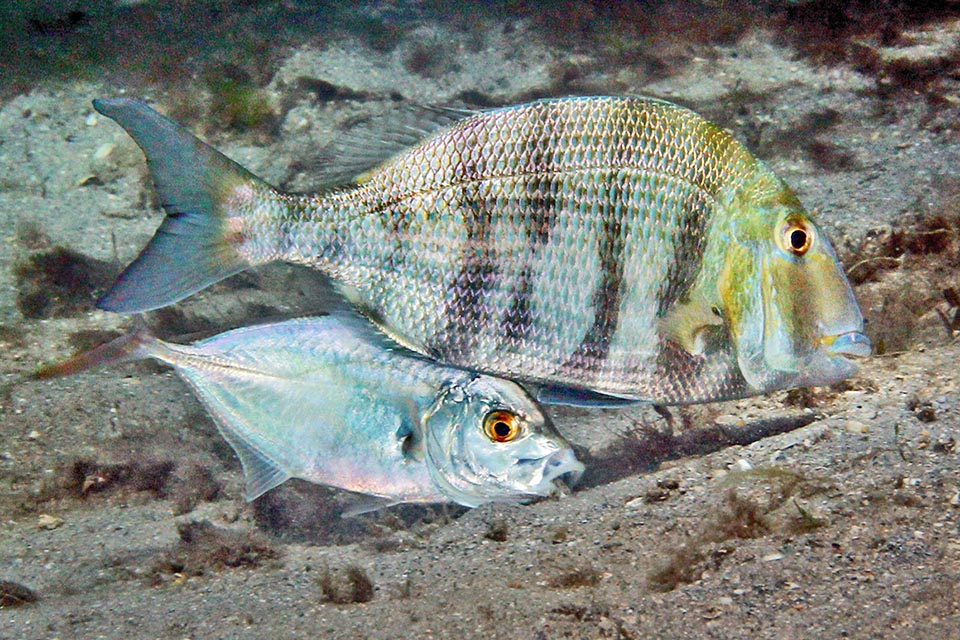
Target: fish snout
{"points": [[851, 344], [562, 470]]}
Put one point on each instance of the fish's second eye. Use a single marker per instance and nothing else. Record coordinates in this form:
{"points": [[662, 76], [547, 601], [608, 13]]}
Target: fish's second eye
{"points": [[796, 237], [501, 426]]}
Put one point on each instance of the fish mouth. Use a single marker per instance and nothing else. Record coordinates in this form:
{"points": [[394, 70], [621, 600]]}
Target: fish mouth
{"points": [[561, 472], [851, 344]]}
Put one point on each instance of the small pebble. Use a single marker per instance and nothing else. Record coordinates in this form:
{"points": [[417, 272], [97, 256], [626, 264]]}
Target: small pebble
{"points": [[33, 435], [955, 500], [725, 601], [48, 522], [104, 151], [92, 120], [88, 180], [855, 426], [728, 420], [945, 445], [742, 465], [770, 557]]}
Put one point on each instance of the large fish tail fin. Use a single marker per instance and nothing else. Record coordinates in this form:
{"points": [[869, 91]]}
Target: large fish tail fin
{"points": [[200, 189], [138, 344]]}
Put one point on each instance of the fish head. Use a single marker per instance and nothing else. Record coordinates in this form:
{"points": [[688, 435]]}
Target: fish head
{"points": [[792, 315], [488, 441]]}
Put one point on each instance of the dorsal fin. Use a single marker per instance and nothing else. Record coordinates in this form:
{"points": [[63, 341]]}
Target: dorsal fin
{"points": [[369, 144]]}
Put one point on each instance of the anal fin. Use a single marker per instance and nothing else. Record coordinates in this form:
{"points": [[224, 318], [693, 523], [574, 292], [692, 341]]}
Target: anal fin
{"points": [[260, 472]]}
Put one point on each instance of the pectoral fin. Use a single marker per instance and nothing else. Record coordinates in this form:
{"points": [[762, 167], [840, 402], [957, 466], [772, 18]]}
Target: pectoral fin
{"points": [[366, 504], [688, 324], [580, 398]]}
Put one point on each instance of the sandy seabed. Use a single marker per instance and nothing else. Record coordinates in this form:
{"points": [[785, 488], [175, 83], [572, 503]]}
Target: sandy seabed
{"points": [[830, 512]]}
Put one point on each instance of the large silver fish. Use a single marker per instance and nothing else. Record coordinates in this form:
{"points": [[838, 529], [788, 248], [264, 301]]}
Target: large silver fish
{"points": [[608, 249], [330, 402]]}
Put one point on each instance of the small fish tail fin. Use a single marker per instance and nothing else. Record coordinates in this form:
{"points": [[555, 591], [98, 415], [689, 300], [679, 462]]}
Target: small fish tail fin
{"points": [[138, 344], [205, 195]]}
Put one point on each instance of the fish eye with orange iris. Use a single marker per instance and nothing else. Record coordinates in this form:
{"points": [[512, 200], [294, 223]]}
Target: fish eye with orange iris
{"points": [[501, 426], [797, 237]]}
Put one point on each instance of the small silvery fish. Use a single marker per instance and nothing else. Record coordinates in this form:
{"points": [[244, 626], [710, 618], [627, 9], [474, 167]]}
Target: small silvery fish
{"points": [[607, 249], [333, 403]]}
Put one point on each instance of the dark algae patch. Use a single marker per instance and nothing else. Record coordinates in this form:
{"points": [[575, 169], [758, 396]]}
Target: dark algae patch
{"points": [[736, 518], [905, 275], [14, 594], [739, 518], [86, 339], [684, 565], [498, 530], [60, 283], [85, 477], [350, 585], [586, 576], [238, 102], [198, 484], [833, 30], [204, 547]]}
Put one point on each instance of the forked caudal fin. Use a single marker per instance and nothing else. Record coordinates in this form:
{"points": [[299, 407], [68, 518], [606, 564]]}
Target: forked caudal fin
{"points": [[262, 470], [139, 344], [193, 247]]}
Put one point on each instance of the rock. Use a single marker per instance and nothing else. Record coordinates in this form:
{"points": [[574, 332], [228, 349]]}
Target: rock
{"points": [[856, 427], [104, 151], [728, 420], [14, 594], [49, 522]]}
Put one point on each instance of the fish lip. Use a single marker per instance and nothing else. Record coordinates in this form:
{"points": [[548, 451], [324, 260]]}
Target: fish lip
{"points": [[561, 468], [851, 344]]}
